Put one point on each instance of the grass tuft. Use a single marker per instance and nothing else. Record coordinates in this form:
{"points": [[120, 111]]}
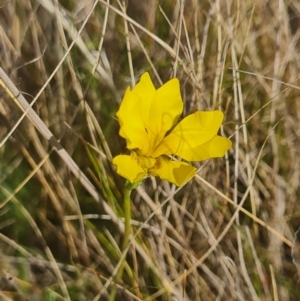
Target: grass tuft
{"points": [[228, 234]]}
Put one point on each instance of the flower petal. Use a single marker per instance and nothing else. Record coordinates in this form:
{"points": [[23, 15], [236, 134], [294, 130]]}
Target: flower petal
{"points": [[214, 148], [129, 167], [175, 172], [132, 127], [159, 109], [145, 90], [192, 132]]}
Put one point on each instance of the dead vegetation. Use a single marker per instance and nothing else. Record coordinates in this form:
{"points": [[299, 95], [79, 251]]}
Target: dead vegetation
{"points": [[230, 233]]}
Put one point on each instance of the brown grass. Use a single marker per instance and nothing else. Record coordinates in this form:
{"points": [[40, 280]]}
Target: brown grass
{"points": [[228, 234]]}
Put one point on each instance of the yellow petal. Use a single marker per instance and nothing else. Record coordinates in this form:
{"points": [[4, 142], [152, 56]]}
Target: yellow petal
{"points": [[192, 132], [214, 148], [129, 167], [145, 90], [175, 172], [160, 109], [132, 127]]}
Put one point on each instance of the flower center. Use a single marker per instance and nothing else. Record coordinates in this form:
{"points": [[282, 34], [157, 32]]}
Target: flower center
{"points": [[146, 163]]}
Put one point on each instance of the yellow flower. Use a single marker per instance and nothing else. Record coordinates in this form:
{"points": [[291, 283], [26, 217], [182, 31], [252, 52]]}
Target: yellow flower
{"points": [[147, 115]]}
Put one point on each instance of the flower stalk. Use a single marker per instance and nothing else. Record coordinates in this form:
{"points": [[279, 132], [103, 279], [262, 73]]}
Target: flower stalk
{"points": [[127, 214], [127, 230]]}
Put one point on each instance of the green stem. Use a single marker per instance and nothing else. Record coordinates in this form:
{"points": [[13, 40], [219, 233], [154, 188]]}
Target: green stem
{"points": [[127, 215]]}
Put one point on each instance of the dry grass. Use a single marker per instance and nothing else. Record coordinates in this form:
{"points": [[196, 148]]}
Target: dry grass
{"points": [[230, 233]]}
